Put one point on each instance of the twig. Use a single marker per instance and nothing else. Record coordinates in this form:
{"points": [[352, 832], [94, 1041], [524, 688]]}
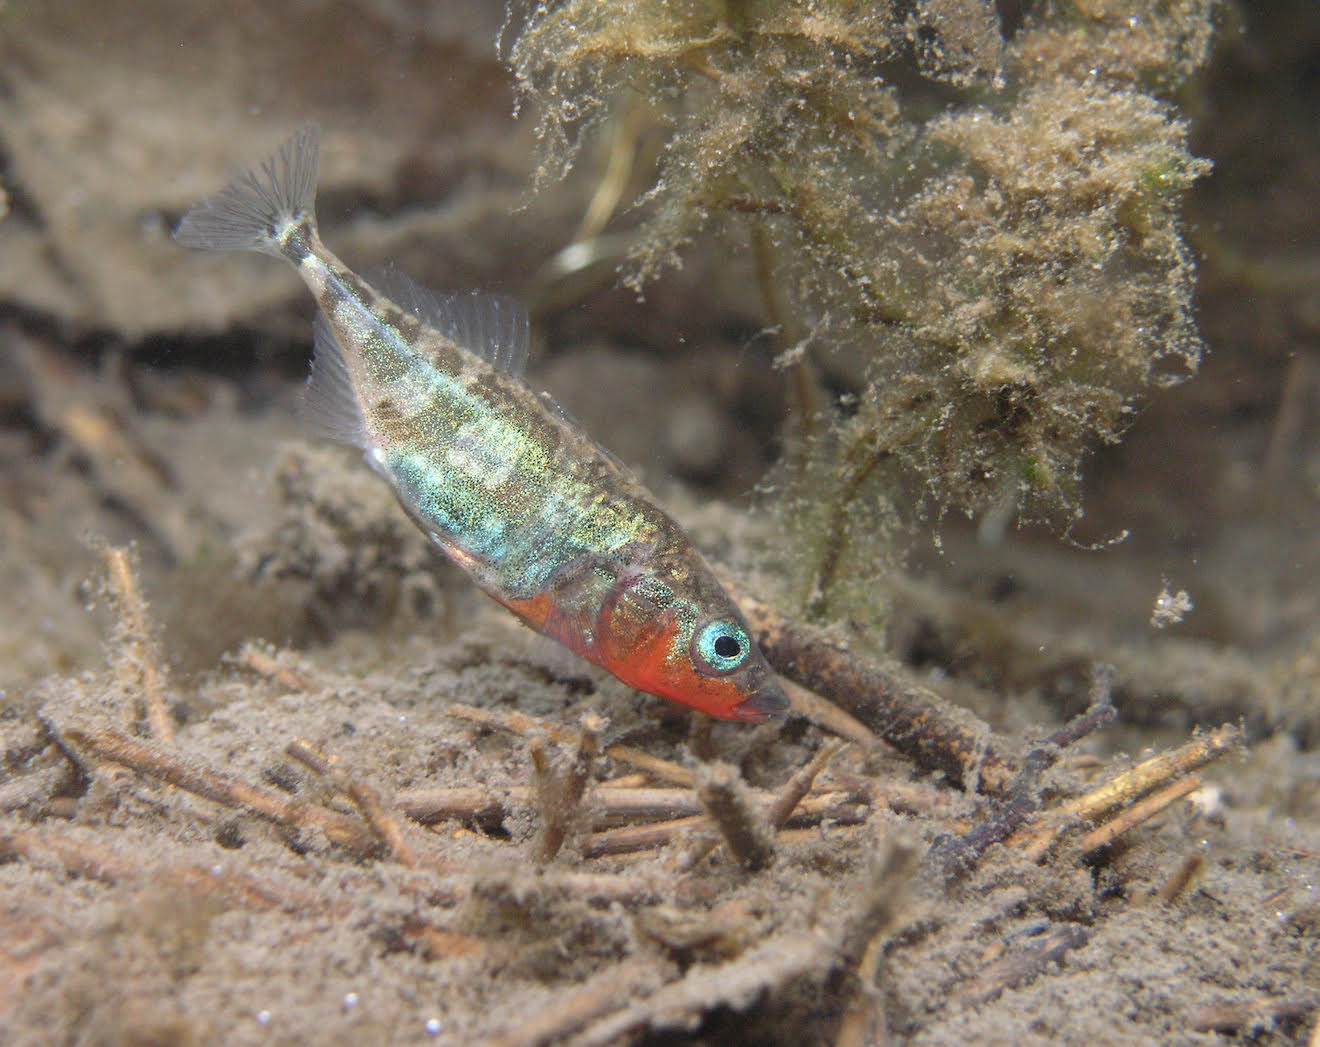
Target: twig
{"points": [[796, 788], [1157, 771], [1264, 1012], [1100, 714], [779, 960], [918, 723], [840, 808], [1181, 878], [273, 664], [440, 942], [1130, 786], [559, 789], [633, 838], [727, 927], [192, 777], [31, 789], [781, 808], [81, 857], [952, 856], [1139, 812], [1018, 968], [828, 716], [635, 780], [863, 1023], [381, 822], [741, 821], [613, 805], [474, 803], [863, 941], [133, 654], [597, 996], [522, 724]]}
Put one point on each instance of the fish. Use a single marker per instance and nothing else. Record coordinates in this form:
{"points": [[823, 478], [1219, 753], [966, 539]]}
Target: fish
{"points": [[430, 389]]}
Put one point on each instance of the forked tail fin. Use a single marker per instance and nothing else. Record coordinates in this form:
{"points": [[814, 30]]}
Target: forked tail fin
{"points": [[252, 212]]}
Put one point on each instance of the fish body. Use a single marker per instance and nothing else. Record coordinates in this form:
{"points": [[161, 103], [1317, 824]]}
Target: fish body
{"points": [[429, 388]]}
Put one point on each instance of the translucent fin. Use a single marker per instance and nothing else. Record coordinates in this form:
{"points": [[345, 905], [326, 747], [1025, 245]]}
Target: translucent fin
{"points": [[564, 415], [493, 326], [249, 213], [330, 407]]}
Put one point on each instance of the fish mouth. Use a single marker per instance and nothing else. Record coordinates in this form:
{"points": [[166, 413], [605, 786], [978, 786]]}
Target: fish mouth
{"points": [[767, 704]]}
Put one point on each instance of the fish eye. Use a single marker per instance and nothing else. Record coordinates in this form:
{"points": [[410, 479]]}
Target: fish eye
{"points": [[721, 646]]}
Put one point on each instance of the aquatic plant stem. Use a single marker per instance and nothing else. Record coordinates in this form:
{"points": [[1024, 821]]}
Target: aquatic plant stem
{"points": [[802, 383]]}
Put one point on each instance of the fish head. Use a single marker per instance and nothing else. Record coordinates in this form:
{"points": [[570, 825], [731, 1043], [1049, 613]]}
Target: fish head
{"points": [[671, 630]]}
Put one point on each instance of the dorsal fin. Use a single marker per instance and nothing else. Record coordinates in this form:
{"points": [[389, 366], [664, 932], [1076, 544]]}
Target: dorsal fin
{"points": [[330, 406], [492, 326], [563, 414]]}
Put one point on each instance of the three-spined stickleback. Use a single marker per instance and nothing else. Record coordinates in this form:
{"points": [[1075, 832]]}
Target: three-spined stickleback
{"points": [[430, 389]]}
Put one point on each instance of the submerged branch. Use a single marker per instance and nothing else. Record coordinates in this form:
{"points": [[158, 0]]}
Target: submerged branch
{"points": [[934, 734]]}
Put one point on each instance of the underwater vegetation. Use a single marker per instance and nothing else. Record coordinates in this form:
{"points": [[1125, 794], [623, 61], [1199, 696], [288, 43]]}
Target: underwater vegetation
{"points": [[969, 208]]}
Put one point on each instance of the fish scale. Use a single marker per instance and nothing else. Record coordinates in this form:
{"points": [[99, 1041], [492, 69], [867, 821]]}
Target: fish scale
{"points": [[538, 515]]}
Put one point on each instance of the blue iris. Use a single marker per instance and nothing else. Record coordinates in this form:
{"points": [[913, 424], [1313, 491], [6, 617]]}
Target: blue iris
{"points": [[721, 646]]}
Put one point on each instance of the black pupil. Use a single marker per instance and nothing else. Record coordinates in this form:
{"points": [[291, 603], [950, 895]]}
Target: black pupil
{"points": [[726, 646]]}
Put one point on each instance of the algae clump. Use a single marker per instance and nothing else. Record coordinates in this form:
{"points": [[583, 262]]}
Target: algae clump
{"points": [[975, 204]]}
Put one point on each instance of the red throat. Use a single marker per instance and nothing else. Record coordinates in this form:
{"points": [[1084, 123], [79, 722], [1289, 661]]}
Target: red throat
{"points": [[645, 658]]}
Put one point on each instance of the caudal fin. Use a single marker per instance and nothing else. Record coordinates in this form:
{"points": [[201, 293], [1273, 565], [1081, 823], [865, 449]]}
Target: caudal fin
{"points": [[252, 212]]}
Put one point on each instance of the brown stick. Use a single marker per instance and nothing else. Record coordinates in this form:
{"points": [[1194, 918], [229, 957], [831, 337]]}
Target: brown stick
{"points": [[796, 788], [777, 961], [1020, 967], [1129, 787], [741, 821], [633, 838], [828, 716], [522, 724], [31, 789], [597, 996], [1155, 772], [1232, 1017], [560, 785], [781, 808], [134, 654], [381, 822], [609, 803], [612, 805], [918, 723], [863, 941], [152, 761], [1182, 878], [1142, 811], [863, 1023], [95, 862], [273, 665], [839, 808]]}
